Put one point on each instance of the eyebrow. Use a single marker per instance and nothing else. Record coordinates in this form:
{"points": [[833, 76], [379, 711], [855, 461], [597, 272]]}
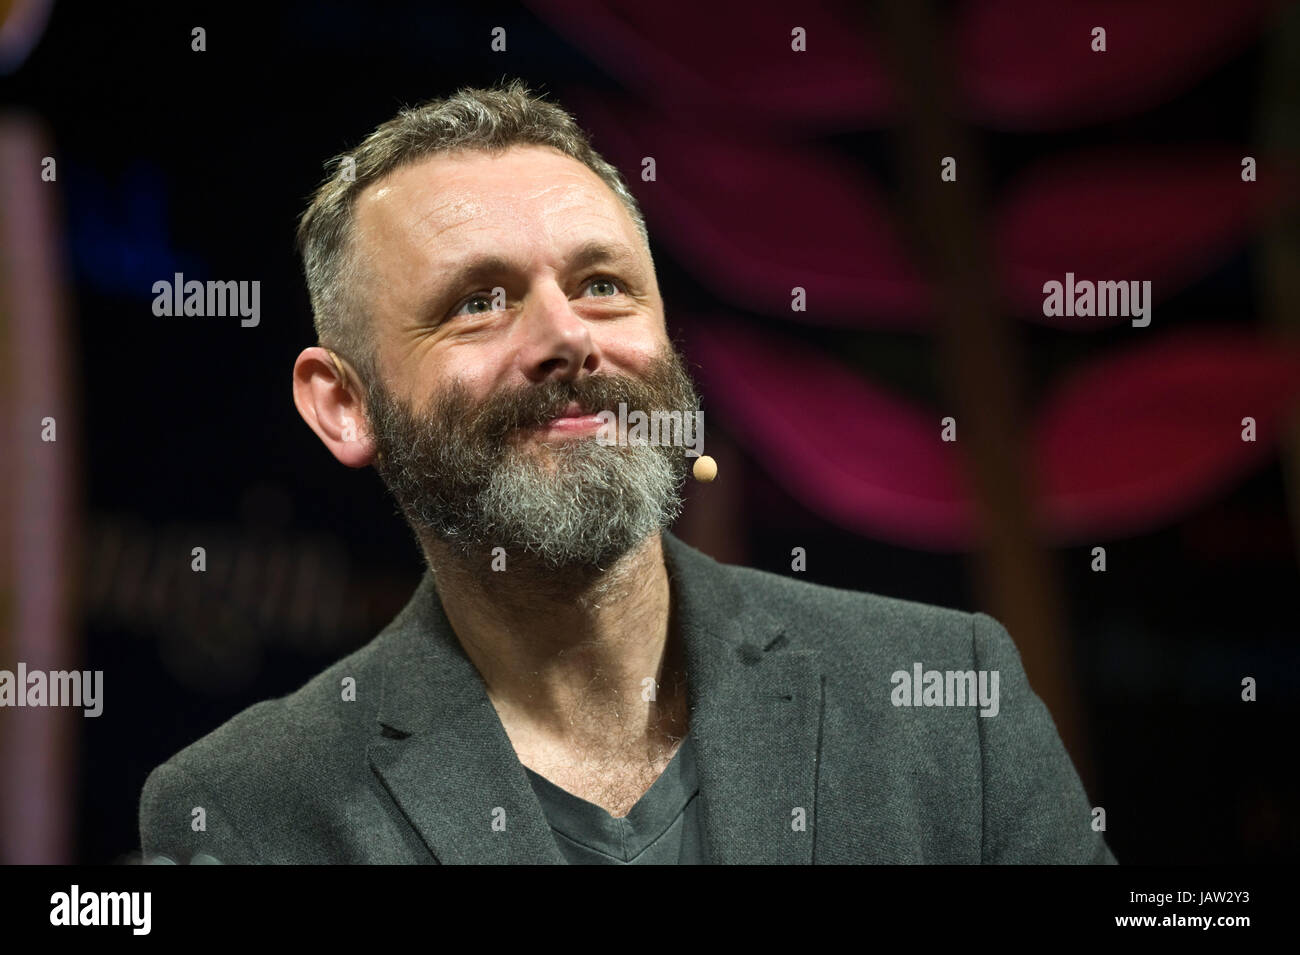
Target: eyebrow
{"points": [[596, 252], [482, 268]]}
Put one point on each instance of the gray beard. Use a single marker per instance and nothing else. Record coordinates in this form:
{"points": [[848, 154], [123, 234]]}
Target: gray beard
{"points": [[595, 504], [563, 505]]}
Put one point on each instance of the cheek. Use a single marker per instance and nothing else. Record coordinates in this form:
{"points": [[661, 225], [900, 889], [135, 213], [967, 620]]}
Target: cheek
{"points": [[473, 377], [633, 350]]}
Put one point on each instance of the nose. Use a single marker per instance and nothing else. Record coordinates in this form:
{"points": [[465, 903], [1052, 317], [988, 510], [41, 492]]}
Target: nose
{"points": [[557, 342]]}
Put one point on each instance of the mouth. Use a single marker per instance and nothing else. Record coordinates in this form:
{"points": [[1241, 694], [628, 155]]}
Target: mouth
{"points": [[573, 420]]}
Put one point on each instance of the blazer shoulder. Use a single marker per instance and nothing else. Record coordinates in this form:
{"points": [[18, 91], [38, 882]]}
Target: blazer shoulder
{"points": [[817, 616], [337, 702], [255, 770]]}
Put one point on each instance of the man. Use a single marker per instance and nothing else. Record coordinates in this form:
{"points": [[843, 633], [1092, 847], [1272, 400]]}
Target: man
{"points": [[570, 682]]}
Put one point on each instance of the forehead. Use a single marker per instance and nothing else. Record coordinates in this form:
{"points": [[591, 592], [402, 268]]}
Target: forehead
{"points": [[522, 199]]}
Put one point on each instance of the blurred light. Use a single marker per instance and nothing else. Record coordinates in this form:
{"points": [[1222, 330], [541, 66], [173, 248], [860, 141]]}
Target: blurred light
{"points": [[21, 24]]}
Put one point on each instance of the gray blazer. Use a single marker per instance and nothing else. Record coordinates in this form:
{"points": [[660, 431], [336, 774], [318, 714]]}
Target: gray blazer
{"points": [[803, 755]]}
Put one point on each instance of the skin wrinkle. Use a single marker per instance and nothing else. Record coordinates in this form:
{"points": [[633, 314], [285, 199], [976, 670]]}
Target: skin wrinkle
{"points": [[411, 227], [447, 479], [598, 710], [456, 288], [565, 636]]}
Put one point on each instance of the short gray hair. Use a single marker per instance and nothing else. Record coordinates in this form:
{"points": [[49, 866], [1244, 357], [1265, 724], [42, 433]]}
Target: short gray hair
{"points": [[486, 120]]}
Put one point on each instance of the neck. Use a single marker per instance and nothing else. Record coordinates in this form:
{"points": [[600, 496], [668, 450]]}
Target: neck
{"points": [[566, 655]]}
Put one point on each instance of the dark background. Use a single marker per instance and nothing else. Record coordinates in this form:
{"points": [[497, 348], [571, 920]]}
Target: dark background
{"points": [[172, 161]]}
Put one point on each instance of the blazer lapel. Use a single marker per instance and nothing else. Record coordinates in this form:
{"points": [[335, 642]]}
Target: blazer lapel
{"points": [[442, 752], [756, 716], [756, 712]]}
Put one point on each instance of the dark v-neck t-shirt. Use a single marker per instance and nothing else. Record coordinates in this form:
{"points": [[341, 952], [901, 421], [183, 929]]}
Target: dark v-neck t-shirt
{"points": [[662, 828]]}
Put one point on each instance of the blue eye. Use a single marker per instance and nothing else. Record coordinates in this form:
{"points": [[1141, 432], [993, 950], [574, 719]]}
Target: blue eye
{"points": [[603, 282], [472, 303]]}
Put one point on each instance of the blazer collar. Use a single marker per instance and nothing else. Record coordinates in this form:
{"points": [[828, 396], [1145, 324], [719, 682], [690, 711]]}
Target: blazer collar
{"points": [[755, 704]]}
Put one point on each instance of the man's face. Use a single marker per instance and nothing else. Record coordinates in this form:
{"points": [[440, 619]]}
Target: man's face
{"points": [[511, 299]]}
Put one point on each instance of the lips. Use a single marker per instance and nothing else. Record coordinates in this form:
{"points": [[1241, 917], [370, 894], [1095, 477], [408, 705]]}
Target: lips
{"points": [[573, 418]]}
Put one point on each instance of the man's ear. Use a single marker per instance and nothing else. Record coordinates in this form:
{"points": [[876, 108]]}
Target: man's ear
{"points": [[329, 399]]}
